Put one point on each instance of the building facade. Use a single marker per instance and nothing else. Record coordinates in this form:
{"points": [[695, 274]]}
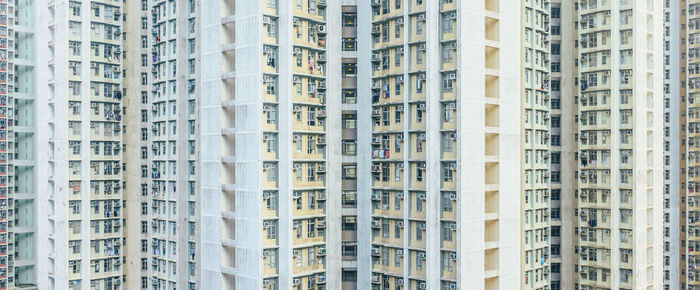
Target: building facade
{"points": [[436, 99], [324, 144], [536, 124], [619, 106], [70, 127]]}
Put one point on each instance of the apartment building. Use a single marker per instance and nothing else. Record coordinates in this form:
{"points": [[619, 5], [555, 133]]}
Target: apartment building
{"points": [[674, 114], [443, 154], [559, 185], [8, 196], [172, 151], [268, 104], [536, 124], [690, 239], [323, 144], [68, 141], [349, 147], [620, 151], [137, 193]]}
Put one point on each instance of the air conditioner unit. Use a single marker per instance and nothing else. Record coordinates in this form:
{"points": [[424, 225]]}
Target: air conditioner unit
{"points": [[266, 225], [297, 166], [453, 165], [375, 251], [399, 252], [399, 166], [421, 255], [399, 21], [375, 196], [452, 106], [453, 136], [421, 165], [453, 196], [266, 283], [296, 21], [296, 282], [266, 195], [399, 79], [453, 256], [421, 107], [421, 196], [453, 227], [297, 108], [321, 29], [421, 226], [400, 49], [400, 281], [453, 45], [421, 46], [421, 17]]}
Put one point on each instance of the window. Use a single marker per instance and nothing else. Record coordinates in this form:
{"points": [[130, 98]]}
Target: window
{"points": [[272, 232], [270, 86], [349, 70], [447, 24], [349, 121], [350, 147], [349, 199], [447, 232], [349, 96], [349, 44], [75, 8], [447, 172], [447, 143], [349, 172], [349, 276], [349, 223], [349, 19], [271, 115]]}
